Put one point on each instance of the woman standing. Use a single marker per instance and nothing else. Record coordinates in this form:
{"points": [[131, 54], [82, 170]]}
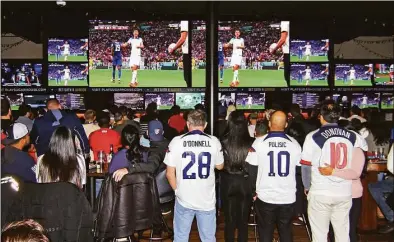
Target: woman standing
{"points": [[236, 190]]}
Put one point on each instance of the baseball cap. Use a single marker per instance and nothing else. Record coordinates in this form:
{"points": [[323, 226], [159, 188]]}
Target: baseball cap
{"points": [[155, 130], [14, 133]]}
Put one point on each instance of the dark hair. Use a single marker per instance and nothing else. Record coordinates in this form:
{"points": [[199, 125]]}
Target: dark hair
{"points": [[355, 125], [356, 110], [175, 110], [296, 130], [130, 114], [236, 143], [261, 128], [343, 123], [24, 231], [379, 128], [118, 116], [330, 112], [5, 106], [103, 119], [151, 108], [295, 110], [24, 109], [122, 110], [366, 113], [59, 163], [199, 106], [131, 137], [41, 111]]}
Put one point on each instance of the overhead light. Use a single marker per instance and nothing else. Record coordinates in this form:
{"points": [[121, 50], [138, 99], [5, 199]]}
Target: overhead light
{"points": [[61, 3]]}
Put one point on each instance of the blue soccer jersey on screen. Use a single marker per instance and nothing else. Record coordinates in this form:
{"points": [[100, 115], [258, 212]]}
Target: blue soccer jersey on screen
{"points": [[58, 77], [117, 58], [220, 54], [58, 51], [300, 52], [299, 76]]}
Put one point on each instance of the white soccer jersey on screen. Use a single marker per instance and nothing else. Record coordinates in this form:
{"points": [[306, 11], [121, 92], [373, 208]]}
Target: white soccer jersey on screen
{"points": [[331, 145], [276, 155], [66, 48], [134, 43], [158, 100], [237, 43], [185, 28], [250, 100], [308, 49], [195, 155], [285, 27], [365, 100]]}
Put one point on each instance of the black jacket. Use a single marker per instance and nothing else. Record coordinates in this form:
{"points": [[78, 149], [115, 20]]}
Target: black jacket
{"points": [[66, 215], [156, 155], [128, 206]]}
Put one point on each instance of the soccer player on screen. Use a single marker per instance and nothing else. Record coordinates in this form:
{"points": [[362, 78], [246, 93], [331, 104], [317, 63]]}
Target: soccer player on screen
{"points": [[58, 77], [308, 50], [250, 101], [183, 42], [66, 50], [391, 73], [236, 58], [284, 38], [33, 77], [308, 73], [370, 70], [221, 60], [325, 47], [352, 75], [158, 101], [300, 76], [58, 51], [364, 102], [85, 47], [300, 52], [85, 71], [136, 44], [325, 72], [66, 76], [116, 51]]}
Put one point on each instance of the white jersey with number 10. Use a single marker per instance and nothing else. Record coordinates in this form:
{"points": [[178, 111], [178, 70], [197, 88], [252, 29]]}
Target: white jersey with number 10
{"points": [[277, 155], [331, 145], [195, 155]]}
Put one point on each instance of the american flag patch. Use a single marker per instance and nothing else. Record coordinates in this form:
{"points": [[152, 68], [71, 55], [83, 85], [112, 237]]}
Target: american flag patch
{"points": [[251, 149]]}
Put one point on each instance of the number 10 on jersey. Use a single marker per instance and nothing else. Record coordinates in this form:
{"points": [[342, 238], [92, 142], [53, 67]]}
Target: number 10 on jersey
{"points": [[204, 165]]}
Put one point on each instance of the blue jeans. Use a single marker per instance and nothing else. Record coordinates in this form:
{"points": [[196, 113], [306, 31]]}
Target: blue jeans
{"points": [[377, 191], [183, 219]]}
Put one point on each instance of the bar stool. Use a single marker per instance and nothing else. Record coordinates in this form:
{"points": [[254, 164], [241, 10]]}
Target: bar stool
{"points": [[253, 223]]}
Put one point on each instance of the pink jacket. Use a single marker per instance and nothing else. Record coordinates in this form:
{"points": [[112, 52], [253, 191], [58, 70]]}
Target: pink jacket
{"points": [[354, 172]]}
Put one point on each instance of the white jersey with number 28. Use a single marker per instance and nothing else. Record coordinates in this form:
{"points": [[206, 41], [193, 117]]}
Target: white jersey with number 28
{"points": [[277, 155], [331, 145], [195, 155]]}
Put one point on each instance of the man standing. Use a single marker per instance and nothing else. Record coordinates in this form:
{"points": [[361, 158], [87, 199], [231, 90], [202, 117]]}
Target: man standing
{"points": [[275, 156], [44, 127], [329, 197], [24, 116], [191, 161]]}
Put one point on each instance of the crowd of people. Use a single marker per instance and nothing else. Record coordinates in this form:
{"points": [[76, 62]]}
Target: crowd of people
{"points": [[270, 162]]}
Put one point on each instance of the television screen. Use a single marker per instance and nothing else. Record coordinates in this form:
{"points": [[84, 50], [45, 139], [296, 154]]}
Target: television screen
{"points": [[15, 99], [143, 46], [199, 40], [226, 98], [366, 100], [309, 74], [70, 74], [71, 101], [353, 75], [60, 49], [306, 100], [163, 100], [189, 100], [251, 100], [134, 101], [309, 50], [244, 53], [384, 74], [36, 101], [26, 74], [342, 100], [387, 101]]}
